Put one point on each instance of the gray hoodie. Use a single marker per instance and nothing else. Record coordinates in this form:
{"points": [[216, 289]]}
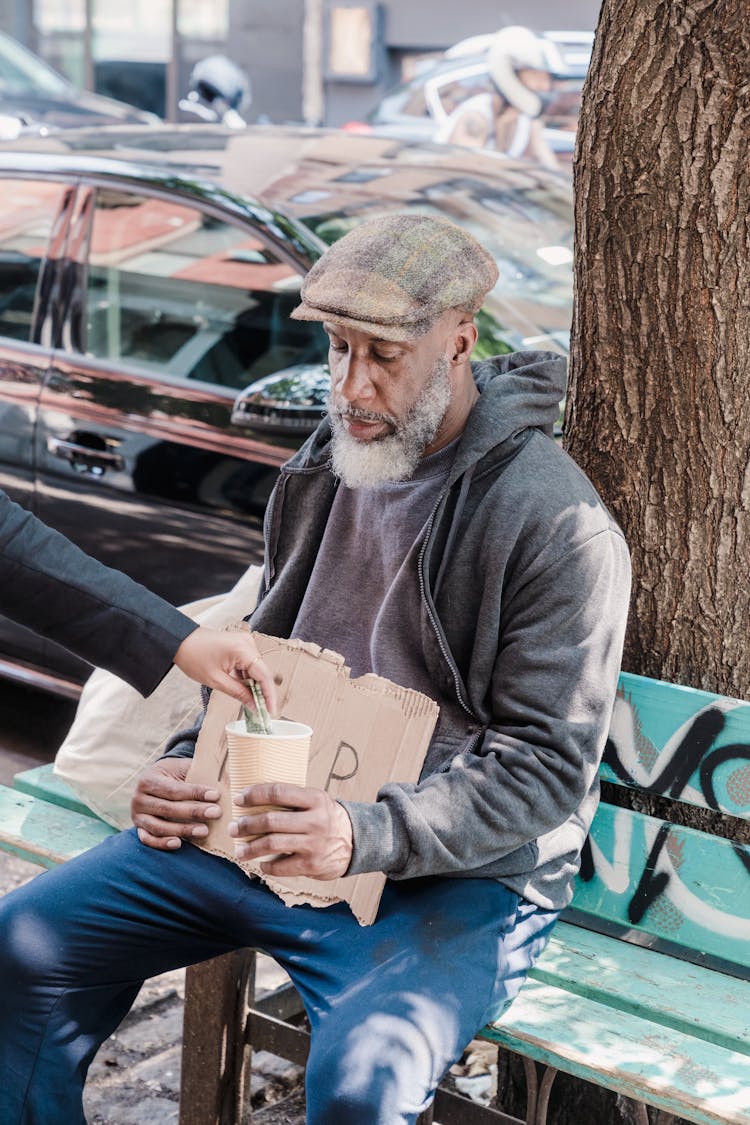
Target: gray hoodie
{"points": [[525, 581]]}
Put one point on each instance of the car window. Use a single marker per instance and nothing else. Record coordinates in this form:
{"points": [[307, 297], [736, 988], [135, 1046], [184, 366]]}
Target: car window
{"points": [[28, 211], [408, 99], [174, 289], [25, 74], [524, 218], [416, 103]]}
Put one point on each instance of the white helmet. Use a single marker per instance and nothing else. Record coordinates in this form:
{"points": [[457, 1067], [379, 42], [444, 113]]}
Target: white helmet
{"points": [[518, 48]]}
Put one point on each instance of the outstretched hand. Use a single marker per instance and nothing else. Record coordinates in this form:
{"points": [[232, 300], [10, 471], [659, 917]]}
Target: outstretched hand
{"points": [[223, 659]]}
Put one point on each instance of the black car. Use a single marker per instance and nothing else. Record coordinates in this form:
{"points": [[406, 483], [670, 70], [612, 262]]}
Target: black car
{"points": [[151, 381], [35, 98]]}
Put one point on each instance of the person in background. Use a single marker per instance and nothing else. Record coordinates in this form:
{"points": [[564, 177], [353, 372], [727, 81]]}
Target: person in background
{"points": [[51, 586], [509, 119], [219, 92]]}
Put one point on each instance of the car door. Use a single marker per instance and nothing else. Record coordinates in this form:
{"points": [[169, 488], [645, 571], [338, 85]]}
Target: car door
{"points": [[34, 215], [175, 311]]}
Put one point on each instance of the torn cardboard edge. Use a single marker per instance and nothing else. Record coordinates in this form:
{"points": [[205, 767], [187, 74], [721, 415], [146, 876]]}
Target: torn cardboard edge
{"points": [[366, 732]]}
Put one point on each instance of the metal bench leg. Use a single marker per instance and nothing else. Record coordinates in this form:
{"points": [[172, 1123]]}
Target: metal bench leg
{"points": [[215, 1057], [532, 1086], [545, 1089]]}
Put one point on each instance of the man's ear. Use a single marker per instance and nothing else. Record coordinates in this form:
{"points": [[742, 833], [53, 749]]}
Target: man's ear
{"points": [[464, 340]]}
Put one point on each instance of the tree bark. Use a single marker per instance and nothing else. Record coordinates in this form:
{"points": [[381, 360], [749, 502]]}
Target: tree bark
{"points": [[658, 411]]}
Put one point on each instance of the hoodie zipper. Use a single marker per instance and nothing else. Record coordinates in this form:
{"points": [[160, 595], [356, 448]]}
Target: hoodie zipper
{"points": [[470, 747]]}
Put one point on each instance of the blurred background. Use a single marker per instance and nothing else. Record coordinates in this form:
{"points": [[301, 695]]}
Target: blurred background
{"points": [[313, 61]]}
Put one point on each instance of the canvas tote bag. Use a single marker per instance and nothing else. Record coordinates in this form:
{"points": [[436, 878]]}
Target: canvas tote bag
{"points": [[116, 733]]}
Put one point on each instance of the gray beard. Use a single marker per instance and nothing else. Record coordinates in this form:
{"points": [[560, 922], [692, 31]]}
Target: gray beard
{"points": [[364, 464]]}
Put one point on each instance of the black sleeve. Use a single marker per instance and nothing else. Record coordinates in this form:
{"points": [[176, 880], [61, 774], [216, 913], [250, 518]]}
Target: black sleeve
{"points": [[51, 586]]}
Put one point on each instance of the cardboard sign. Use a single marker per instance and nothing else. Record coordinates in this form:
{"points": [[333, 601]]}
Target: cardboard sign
{"points": [[366, 732]]}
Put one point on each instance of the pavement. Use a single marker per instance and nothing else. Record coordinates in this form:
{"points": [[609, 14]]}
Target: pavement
{"points": [[32, 726]]}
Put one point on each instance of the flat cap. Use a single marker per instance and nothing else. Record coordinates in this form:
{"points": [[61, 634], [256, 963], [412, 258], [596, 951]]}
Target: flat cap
{"points": [[394, 276]]}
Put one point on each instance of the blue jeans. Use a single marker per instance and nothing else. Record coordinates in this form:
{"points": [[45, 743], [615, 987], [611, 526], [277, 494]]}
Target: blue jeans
{"points": [[391, 1005]]}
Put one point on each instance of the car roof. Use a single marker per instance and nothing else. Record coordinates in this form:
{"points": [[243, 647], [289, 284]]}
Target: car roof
{"points": [[241, 158], [288, 170]]}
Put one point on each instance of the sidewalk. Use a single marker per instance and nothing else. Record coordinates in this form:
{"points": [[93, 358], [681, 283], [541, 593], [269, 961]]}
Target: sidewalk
{"points": [[135, 1077]]}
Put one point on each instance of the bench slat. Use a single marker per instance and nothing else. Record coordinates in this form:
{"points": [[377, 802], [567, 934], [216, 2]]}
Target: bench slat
{"points": [[689, 998], [667, 881], [44, 833], [682, 743], [41, 781], [704, 1082]]}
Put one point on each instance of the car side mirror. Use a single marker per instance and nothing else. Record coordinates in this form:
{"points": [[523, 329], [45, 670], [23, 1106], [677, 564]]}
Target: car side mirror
{"points": [[290, 402]]}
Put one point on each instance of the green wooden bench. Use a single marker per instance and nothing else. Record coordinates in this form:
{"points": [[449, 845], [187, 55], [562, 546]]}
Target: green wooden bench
{"points": [[645, 986]]}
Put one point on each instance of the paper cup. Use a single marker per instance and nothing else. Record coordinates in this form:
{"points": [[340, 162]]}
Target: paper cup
{"points": [[281, 755]]}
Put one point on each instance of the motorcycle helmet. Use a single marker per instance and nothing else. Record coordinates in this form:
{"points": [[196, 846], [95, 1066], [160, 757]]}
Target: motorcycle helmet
{"points": [[514, 49], [220, 84]]}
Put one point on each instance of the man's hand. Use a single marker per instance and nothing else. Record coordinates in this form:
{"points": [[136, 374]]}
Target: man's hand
{"points": [[223, 659], [166, 809], [311, 834]]}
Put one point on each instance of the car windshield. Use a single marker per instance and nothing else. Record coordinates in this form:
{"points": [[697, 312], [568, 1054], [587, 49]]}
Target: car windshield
{"points": [[409, 98], [23, 73], [527, 225]]}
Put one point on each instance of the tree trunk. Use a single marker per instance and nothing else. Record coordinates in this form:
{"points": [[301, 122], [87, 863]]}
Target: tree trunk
{"points": [[658, 411]]}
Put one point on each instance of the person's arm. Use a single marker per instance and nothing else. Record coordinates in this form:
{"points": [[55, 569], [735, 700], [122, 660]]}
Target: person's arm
{"points": [[553, 687], [539, 149], [471, 130], [51, 586]]}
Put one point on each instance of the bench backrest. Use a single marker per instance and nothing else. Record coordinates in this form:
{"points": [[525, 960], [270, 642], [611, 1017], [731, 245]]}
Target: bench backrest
{"points": [[648, 878]]}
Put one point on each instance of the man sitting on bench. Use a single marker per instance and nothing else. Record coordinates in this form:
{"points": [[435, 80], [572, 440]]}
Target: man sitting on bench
{"points": [[433, 532]]}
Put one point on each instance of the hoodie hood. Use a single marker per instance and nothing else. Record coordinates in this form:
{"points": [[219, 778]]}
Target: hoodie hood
{"points": [[520, 391]]}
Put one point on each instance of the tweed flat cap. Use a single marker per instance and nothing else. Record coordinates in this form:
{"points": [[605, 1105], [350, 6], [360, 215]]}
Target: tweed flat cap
{"points": [[394, 276]]}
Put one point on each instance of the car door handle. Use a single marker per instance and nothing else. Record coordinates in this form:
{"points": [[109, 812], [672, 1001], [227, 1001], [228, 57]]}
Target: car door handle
{"points": [[84, 458]]}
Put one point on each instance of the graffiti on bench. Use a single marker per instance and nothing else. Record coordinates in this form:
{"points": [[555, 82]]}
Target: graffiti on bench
{"points": [[668, 880]]}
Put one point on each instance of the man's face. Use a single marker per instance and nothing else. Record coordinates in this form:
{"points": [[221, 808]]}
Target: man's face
{"points": [[387, 402], [538, 80]]}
